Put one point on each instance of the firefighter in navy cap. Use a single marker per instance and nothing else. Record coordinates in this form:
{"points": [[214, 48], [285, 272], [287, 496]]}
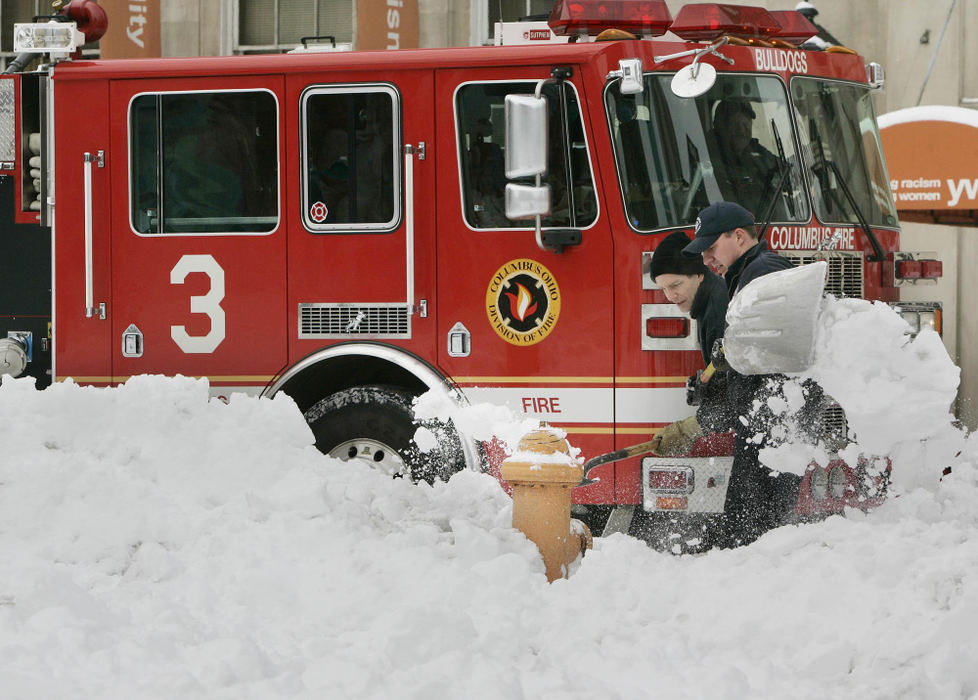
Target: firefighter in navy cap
{"points": [[758, 499], [699, 292], [727, 239]]}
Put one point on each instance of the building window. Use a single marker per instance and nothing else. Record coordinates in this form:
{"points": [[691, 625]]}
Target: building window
{"points": [[271, 26], [204, 162], [351, 158]]}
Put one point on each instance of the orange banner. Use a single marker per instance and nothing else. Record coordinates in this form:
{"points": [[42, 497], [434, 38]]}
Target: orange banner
{"points": [[932, 158], [134, 29], [387, 24]]}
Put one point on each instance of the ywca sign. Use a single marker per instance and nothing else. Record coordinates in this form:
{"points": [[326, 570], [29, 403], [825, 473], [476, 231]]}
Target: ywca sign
{"points": [[134, 29], [932, 159]]}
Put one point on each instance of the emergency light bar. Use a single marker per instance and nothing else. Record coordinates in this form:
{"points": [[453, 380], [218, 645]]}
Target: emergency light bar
{"points": [[47, 37], [707, 22], [640, 17], [794, 27]]}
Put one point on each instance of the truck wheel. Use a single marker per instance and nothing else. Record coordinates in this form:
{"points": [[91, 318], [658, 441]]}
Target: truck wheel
{"points": [[376, 425]]}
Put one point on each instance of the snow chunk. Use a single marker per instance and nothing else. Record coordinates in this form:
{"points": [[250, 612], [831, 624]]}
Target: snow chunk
{"points": [[896, 391], [478, 421]]}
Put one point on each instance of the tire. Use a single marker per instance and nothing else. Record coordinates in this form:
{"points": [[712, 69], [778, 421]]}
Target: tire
{"points": [[677, 533], [377, 425]]}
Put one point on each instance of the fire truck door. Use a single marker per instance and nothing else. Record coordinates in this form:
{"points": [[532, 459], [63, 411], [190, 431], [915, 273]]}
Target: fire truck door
{"points": [[81, 247], [519, 325], [361, 179], [198, 230]]}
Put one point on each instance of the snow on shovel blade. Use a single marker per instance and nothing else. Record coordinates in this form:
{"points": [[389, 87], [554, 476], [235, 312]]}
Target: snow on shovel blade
{"points": [[771, 321]]}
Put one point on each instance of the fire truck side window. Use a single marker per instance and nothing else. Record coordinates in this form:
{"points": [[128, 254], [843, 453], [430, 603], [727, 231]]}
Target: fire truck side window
{"points": [[204, 162], [842, 150], [351, 158], [676, 155], [479, 111]]}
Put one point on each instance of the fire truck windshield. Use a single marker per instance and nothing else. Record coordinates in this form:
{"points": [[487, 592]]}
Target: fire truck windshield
{"points": [[676, 155], [839, 136]]}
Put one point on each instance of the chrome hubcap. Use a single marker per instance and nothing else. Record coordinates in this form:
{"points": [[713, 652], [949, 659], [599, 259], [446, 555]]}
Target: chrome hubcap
{"points": [[374, 453]]}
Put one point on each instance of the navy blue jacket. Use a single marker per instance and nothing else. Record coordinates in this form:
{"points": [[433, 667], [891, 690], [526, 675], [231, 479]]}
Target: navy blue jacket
{"points": [[709, 309], [756, 262]]}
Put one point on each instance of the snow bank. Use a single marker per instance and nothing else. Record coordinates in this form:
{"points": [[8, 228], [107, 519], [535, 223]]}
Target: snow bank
{"points": [[158, 545]]}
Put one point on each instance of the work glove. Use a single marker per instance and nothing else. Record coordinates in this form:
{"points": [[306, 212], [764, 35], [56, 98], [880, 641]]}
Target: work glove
{"points": [[677, 438], [717, 358]]}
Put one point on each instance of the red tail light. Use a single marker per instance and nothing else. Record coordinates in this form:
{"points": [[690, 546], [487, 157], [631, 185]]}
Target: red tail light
{"points": [[667, 327], [909, 269], [931, 269], [793, 26], [709, 21], [661, 480], [642, 17]]}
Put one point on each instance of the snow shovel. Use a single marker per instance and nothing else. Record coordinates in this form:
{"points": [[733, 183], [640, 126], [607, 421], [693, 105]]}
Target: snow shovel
{"points": [[771, 321], [617, 455]]}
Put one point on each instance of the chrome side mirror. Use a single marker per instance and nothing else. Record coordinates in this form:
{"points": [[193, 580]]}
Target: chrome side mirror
{"points": [[696, 78], [526, 136], [527, 201], [526, 156]]}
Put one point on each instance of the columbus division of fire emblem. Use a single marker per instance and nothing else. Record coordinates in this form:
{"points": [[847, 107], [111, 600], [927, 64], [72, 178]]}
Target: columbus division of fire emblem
{"points": [[523, 302]]}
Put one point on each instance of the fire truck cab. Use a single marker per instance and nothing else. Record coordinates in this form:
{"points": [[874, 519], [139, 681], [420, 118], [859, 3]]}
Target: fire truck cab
{"points": [[333, 225]]}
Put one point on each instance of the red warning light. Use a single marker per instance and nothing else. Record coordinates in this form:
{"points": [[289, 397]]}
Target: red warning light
{"points": [[794, 27], [640, 17], [707, 22]]}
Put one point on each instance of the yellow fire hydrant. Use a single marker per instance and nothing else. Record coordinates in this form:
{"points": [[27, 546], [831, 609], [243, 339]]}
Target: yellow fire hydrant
{"points": [[543, 474]]}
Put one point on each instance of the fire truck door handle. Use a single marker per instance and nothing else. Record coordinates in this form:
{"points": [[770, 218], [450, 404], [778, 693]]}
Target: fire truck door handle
{"points": [[410, 153], [91, 310]]}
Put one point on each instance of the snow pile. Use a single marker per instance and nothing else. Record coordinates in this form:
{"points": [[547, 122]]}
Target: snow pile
{"points": [[158, 545], [893, 389], [896, 391]]}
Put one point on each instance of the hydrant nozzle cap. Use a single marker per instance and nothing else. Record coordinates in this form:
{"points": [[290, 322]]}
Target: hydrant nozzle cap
{"points": [[544, 440], [554, 465]]}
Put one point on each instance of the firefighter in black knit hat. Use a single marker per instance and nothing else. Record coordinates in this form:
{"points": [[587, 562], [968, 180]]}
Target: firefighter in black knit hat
{"points": [[697, 291]]}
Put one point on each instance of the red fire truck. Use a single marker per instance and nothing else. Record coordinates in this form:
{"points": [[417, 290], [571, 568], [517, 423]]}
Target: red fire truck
{"points": [[337, 225]]}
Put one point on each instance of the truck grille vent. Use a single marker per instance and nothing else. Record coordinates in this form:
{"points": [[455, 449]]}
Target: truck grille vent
{"points": [[354, 321], [835, 427], [845, 276]]}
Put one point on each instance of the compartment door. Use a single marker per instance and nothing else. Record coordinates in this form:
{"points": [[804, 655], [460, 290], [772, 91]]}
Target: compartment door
{"points": [[198, 230]]}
